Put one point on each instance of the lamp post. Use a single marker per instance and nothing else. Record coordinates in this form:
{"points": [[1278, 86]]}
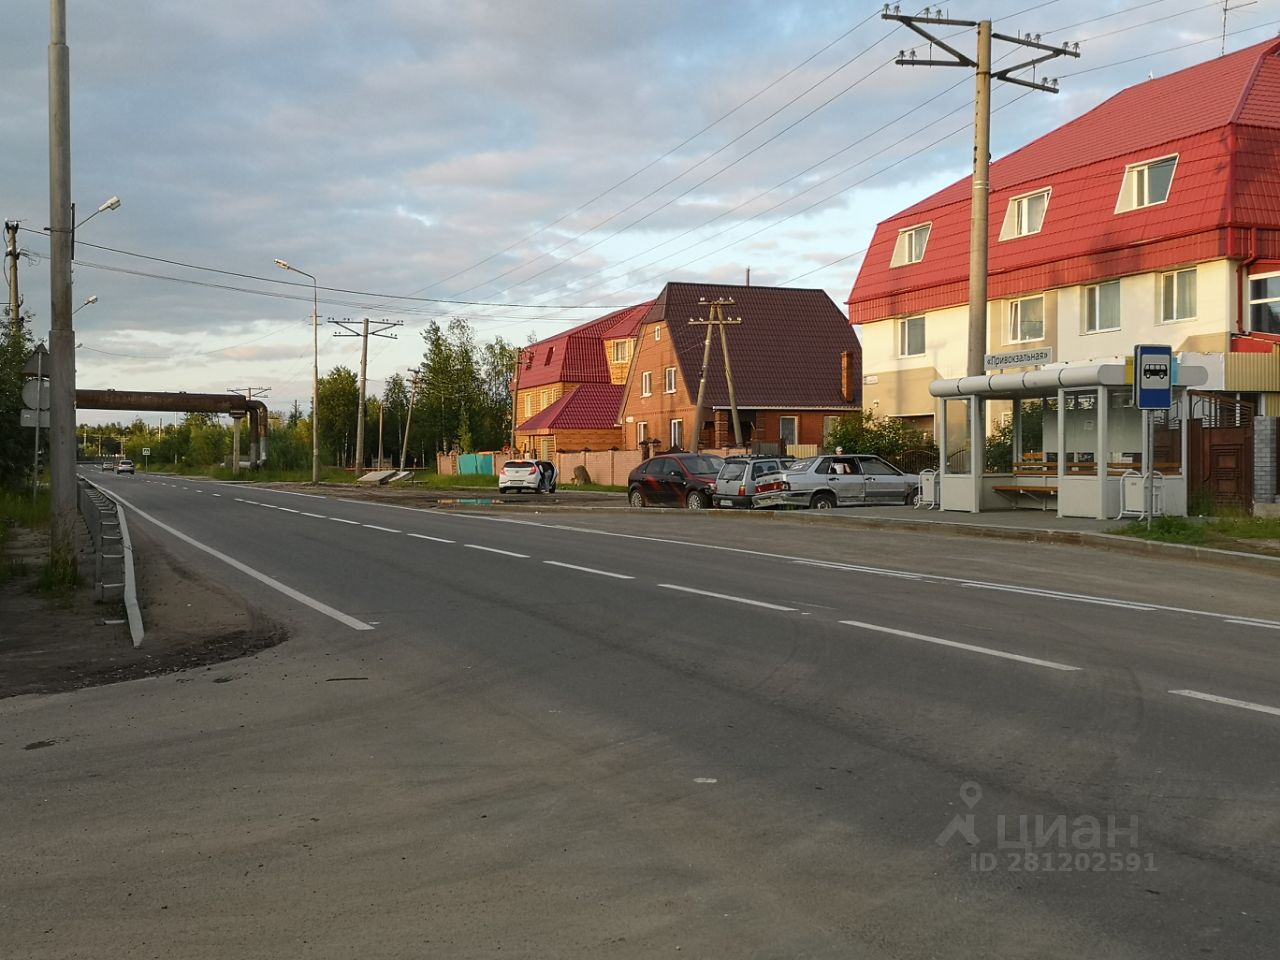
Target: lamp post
{"points": [[91, 300], [315, 369]]}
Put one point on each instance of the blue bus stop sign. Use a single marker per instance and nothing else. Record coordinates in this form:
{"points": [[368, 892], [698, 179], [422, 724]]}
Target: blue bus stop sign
{"points": [[1153, 376]]}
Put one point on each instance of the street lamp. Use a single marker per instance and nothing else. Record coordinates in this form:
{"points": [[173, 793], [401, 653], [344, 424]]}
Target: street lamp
{"points": [[315, 369], [93, 299]]}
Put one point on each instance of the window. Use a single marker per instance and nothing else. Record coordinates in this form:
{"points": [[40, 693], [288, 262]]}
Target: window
{"points": [[1264, 304], [657, 334], [911, 337], [1026, 319], [646, 384], [910, 245], [788, 430], [1146, 184], [551, 352], [1178, 296], [528, 404], [828, 424], [677, 434], [1025, 215], [621, 351], [1102, 307], [642, 432], [544, 399], [875, 467], [669, 380]]}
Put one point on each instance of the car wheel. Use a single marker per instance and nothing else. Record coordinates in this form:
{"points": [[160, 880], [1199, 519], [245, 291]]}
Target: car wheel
{"points": [[697, 500], [636, 498], [912, 496], [823, 501]]}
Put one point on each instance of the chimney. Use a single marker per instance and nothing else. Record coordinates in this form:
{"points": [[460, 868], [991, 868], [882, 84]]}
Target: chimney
{"points": [[849, 377], [748, 276]]}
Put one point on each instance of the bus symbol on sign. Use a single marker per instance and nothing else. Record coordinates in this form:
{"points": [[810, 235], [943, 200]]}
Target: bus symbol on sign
{"points": [[1150, 370]]}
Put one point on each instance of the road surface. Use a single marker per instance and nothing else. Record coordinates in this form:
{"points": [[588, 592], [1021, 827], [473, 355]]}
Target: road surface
{"points": [[636, 733]]}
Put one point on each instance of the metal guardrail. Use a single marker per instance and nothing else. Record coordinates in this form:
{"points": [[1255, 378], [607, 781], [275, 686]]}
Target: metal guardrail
{"points": [[113, 578]]}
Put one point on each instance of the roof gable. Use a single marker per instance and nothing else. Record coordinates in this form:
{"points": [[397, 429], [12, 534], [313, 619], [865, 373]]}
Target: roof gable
{"points": [[577, 355], [591, 406]]}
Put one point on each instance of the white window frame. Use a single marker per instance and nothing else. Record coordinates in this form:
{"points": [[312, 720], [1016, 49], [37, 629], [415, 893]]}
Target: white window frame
{"points": [[646, 384], [1015, 320], [911, 244], [621, 351], [669, 380], [1093, 307], [1135, 189], [642, 432], [677, 433], [904, 337], [795, 421], [1261, 300], [657, 334], [1170, 279], [528, 404], [1015, 217]]}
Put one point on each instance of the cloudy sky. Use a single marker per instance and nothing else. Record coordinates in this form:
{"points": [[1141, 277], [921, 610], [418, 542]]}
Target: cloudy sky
{"points": [[526, 164]]}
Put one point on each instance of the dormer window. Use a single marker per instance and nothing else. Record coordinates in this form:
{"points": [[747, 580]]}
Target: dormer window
{"points": [[551, 352], [1025, 215], [910, 245], [1146, 184]]}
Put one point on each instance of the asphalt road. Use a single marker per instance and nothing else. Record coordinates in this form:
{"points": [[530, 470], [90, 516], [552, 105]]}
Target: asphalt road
{"points": [[632, 734]]}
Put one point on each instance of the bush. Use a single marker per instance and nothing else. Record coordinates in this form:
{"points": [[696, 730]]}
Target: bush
{"points": [[887, 437]]}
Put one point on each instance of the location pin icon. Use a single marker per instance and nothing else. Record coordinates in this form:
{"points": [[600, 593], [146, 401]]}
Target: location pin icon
{"points": [[970, 793]]}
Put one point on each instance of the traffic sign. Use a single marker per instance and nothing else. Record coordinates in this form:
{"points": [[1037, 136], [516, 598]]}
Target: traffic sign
{"points": [[27, 418], [146, 451], [35, 394], [1153, 376], [38, 363]]}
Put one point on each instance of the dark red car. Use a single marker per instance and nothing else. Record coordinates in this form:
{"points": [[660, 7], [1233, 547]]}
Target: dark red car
{"points": [[674, 480]]}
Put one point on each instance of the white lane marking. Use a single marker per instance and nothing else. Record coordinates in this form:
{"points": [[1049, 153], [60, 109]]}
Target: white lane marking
{"points": [[603, 573], [269, 506], [294, 493], [928, 577], [857, 569], [318, 516], [371, 526], [1242, 704], [244, 568], [287, 510], [423, 536], [1052, 665], [216, 494], [1256, 623], [508, 553], [354, 523], [727, 596], [1056, 595]]}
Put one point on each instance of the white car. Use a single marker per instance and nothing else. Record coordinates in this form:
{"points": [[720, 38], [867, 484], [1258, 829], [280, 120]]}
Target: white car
{"points": [[124, 466], [540, 476]]}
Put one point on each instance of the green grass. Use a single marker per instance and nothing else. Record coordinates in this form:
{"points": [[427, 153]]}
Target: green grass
{"points": [[18, 508], [1226, 532]]}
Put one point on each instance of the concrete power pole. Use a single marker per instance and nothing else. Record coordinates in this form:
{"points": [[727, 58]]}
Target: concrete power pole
{"points": [[62, 339], [415, 375], [978, 242], [716, 318], [382, 326], [11, 254]]}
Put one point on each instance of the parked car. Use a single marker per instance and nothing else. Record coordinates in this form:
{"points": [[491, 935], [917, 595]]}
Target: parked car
{"points": [[738, 479], [124, 466], [674, 480], [829, 481], [540, 476]]}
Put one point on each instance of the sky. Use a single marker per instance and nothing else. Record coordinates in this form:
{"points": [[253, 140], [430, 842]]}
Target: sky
{"points": [[525, 164]]}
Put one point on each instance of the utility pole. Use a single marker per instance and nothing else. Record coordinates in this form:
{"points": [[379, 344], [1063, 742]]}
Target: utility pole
{"points": [[11, 253], [414, 374], [1228, 7], [515, 398], [382, 326], [981, 139], [716, 318]]}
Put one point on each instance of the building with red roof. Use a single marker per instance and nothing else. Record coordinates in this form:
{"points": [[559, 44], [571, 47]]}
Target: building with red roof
{"points": [[1153, 218], [567, 388], [794, 359]]}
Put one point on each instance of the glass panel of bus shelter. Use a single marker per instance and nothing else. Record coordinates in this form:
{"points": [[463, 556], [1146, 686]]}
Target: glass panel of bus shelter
{"points": [[1080, 416], [958, 455], [1032, 431], [999, 436], [1166, 439], [1124, 430]]}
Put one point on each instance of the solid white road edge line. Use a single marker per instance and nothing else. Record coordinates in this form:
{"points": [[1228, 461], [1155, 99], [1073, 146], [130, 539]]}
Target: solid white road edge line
{"points": [[959, 646], [244, 568], [603, 573], [506, 553], [1242, 704], [1057, 595], [726, 596], [1256, 623], [423, 536]]}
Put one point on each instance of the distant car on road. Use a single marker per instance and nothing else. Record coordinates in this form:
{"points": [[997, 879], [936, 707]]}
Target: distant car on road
{"points": [[540, 476], [675, 480], [124, 466], [840, 481], [737, 480], [108, 466]]}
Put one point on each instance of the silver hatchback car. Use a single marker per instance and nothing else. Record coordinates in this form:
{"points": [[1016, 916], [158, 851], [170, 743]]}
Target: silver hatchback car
{"points": [[737, 482]]}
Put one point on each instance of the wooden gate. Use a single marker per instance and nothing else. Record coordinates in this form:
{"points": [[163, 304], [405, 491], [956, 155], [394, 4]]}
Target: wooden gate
{"points": [[1220, 448]]}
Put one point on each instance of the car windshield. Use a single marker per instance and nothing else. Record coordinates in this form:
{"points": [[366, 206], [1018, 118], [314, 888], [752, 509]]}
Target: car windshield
{"points": [[703, 465], [733, 470]]}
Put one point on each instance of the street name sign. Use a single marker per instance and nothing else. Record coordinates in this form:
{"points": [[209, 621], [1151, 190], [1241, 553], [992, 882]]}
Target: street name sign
{"points": [[1019, 358]]}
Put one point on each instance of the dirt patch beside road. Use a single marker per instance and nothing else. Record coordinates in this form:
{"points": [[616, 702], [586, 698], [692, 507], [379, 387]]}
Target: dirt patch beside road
{"points": [[50, 644]]}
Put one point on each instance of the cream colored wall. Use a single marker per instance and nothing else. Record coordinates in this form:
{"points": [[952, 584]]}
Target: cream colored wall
{"points": [[901, 384]]}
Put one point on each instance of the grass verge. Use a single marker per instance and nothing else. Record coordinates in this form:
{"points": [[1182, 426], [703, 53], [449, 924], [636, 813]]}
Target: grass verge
{"points": [[1228, 533]]}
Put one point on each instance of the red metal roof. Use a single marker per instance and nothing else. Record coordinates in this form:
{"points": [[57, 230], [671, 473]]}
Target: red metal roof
{"points": [[1222, 119], [591, 406], [577, 355], [786, 353]]}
